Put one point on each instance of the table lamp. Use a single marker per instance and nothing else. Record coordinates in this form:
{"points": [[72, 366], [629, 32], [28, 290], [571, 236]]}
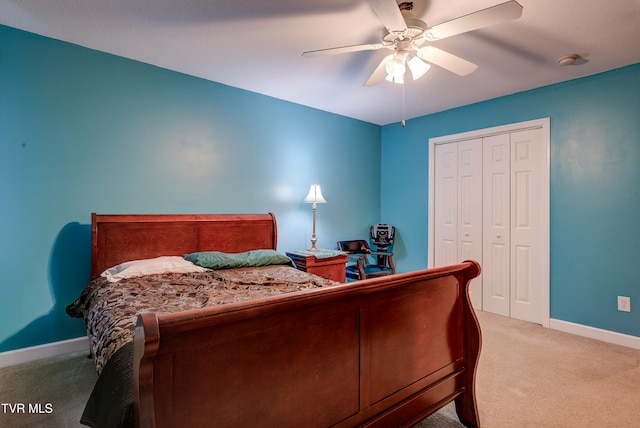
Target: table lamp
{"points": [[314, 197]]}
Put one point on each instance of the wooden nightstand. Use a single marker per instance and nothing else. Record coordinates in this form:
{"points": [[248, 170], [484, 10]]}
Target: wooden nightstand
{"points": [[329, 264]]}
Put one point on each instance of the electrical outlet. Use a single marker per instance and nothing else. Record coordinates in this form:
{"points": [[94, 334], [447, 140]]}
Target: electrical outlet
{"points": [[624, 304]]}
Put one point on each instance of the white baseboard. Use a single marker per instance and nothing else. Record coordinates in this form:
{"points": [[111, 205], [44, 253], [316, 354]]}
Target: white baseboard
{"points": [[47, 350], [596, 333]]}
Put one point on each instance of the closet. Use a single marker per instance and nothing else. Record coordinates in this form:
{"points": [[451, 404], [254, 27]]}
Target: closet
{"points": [[489, 201]]}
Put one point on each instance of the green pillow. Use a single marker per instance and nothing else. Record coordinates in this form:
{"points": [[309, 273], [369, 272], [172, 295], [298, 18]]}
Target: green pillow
{"points": [[253, 258]]}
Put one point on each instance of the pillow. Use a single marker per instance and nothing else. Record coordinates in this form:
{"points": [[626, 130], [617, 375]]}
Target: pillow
{"points": [[253, 258], [163, 264]]}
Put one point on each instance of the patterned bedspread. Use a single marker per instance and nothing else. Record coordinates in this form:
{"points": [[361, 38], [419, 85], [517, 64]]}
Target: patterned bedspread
{"points": [[110, 309]]}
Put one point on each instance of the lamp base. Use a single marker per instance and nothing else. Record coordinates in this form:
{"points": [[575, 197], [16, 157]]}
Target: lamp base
{"points": [[313, 241]]}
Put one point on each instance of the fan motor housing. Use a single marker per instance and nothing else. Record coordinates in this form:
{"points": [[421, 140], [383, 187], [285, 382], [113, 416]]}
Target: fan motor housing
{"points": [[415, 29]]}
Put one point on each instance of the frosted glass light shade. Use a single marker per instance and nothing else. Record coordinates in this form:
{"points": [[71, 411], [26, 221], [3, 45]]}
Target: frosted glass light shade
{"points": [[315, 195], [395, 67], [418, 67], [399, 80]]}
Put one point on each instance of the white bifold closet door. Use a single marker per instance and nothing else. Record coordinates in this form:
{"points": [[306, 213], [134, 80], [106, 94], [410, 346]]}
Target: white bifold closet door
{"points": [[512, 192], [488, 207], [459, 213]]}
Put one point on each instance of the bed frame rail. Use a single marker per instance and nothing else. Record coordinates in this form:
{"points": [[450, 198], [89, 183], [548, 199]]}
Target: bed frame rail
{"points": [[381, 352]]}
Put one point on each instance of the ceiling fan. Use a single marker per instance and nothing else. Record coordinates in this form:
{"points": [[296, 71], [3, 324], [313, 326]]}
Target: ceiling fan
{"points": [[407, 37]]}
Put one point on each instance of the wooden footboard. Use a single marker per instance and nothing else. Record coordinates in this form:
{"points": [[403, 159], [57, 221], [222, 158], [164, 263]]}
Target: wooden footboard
{"points": [[378, 353]]}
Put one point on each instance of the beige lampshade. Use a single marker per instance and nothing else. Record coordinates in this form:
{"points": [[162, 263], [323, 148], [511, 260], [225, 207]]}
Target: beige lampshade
{"points": [[315, 195]]}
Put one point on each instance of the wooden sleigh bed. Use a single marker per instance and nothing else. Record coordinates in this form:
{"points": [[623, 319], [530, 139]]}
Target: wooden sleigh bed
{"points": [[383, 352]]}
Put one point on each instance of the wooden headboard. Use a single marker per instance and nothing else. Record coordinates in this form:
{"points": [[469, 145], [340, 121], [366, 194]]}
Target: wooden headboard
{"points": [[118, 238]]}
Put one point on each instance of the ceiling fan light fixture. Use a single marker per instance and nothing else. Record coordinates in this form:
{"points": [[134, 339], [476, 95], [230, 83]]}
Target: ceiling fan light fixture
{"points": [[395, 79], [404, 34], [418, 67], [396, 68]]}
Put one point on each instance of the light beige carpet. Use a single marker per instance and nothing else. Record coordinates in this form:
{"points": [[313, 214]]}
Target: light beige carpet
{"points": [[528, 376]]}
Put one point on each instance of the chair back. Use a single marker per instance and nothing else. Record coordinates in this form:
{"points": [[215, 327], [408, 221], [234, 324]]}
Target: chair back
{"points": [[357, 246], [382, 236]]}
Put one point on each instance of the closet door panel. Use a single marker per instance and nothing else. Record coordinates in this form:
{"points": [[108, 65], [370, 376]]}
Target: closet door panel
{"points": [[496, 224], [446, 205], [526, 169], [470, 210], [522, 290]]}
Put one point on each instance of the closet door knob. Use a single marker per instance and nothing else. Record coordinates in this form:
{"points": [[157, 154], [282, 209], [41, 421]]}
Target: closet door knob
{"points": [[498, 236]]}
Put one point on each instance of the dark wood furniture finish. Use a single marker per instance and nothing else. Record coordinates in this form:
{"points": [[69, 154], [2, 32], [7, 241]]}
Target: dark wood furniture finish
{"points": [[332, 268], [380, 352], [118, 238]]}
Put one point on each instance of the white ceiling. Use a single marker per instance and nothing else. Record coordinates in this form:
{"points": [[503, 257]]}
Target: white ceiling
{"points": [[257, 45]]}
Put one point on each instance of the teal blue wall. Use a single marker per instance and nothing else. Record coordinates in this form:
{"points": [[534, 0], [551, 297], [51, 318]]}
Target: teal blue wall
{"points": [[82, 131], [595, 188]]}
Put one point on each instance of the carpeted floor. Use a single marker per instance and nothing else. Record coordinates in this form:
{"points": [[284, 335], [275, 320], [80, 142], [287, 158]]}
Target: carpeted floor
{"points": [[56, 389], [528, 376]]}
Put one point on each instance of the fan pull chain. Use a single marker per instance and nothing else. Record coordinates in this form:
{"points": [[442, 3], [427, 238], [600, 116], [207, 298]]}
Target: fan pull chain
{"points": [[403, 105]]}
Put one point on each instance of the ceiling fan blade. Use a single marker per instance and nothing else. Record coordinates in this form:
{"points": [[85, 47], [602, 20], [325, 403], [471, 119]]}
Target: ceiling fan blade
{"points": [[389, 14], [473, 21], [343, 49], [379, 73], [448, 61]]}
